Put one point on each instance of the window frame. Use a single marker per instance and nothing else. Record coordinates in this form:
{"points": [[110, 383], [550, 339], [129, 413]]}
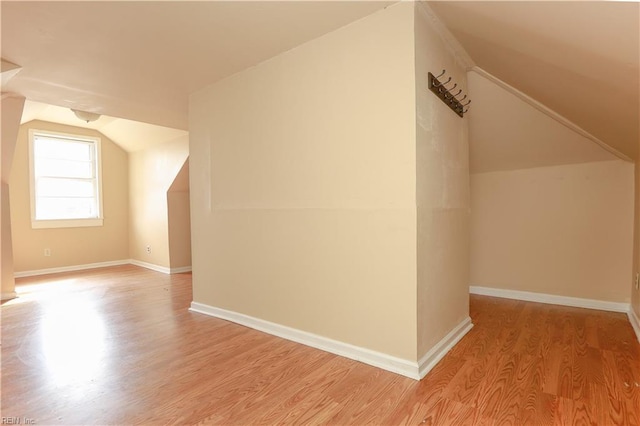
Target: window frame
{"points": [[66, 223]]}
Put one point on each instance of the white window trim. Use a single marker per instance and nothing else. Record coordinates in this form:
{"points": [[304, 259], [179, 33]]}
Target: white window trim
{"points": [[65, 223]]}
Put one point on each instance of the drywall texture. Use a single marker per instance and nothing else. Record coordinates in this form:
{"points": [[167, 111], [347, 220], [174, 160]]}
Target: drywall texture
{"points": [[151, 173], [11, 109], [70, 246], [179, 220], [303, 187], [562, 230], [442, 193]]}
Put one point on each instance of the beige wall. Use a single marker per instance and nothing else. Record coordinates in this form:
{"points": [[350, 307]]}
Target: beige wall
{"points": [[70, 246], [635, 293], [151, 173], [11, 111], [303, 187], [179, 220], [562, 230], [6, 268], [442, 194]]}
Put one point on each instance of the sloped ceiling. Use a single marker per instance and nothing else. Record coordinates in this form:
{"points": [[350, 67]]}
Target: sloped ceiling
{"points": [[181, 182], [508, 133], [579, 58], [140, 60], [128, 134]]}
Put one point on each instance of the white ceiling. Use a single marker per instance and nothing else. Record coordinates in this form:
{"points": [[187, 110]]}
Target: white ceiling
{"points": [[130, 135], [141, 60], [579, 58]]}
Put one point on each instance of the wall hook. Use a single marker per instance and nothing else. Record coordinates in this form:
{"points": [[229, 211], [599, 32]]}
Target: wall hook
{"points": [[441, 84], [446, 95]]}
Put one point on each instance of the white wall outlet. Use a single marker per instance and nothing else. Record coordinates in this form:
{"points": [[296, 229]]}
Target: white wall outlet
{"points": [[47, 252], [148, 249]]}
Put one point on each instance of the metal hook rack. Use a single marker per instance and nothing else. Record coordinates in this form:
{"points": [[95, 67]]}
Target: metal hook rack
{"points": [[445, 95]]}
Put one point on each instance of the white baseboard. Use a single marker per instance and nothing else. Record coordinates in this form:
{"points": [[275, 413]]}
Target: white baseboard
{"points": [[8, 296], [404, 367], [635, 322], [551, 299], [158, 268], [70, 268], [435, 354], [152, 266], [377, 359]]}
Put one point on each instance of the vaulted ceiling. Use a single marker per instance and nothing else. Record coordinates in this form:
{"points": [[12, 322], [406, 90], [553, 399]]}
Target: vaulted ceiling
{"points": [[130, 135], [140, 60], [579, 58]]}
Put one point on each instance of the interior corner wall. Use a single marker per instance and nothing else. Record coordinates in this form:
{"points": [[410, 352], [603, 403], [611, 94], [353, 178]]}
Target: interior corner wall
{"points": [[179, 229], [561, 230], [303, 187], [179, 219], [11, 113], [151, 173], [6, 249], [635, 293], [70, 246], [442, 194]]}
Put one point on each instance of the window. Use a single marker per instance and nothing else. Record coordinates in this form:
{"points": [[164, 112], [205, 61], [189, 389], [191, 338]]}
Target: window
{"points": [[65, 180]]}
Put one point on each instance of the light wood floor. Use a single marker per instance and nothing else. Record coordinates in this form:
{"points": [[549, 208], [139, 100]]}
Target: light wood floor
{"points": [[118, 346]]}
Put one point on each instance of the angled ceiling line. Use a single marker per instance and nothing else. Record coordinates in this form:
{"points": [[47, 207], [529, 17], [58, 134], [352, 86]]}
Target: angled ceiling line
{"points": [[456, 48], [130, 135], [550, 113]]}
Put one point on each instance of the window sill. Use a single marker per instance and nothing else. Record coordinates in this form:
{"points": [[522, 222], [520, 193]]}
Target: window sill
{"points": [[65, 223]]}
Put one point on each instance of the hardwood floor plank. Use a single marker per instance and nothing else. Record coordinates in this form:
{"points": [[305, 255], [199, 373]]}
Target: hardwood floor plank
{"points": [[414, 411], [384, 401], [572, 412], [591, 332], [119, 346], [496, 389], [539, 408], [565, 373]]}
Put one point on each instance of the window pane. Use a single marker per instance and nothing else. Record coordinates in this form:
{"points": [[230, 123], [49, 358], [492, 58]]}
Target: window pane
{"points": [[61, 149], [65, 173], [56, 187], [63, 168], [65, 208]]}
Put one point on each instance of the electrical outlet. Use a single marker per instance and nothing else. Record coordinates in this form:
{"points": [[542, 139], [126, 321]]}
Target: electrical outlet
{"points": [[637, 280], [148, 249], [47, 252]]}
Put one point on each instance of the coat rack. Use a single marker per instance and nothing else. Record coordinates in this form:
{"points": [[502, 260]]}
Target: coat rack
{"points": [[446, 95]]}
